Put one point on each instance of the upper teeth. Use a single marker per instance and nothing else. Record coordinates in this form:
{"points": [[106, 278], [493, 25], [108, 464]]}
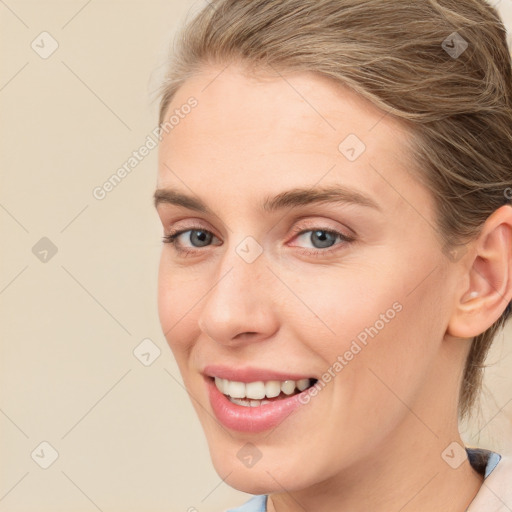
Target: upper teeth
{"points": [[258, 390]]}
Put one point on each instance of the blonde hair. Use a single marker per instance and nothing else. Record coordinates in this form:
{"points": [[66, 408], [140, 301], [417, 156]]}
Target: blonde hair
{"points": [[441, 66]]}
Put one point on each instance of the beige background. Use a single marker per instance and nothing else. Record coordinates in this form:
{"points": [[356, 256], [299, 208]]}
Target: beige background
{"points": [[126, 435]]}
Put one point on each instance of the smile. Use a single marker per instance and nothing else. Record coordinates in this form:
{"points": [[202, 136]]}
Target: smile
{"points": [[259, 393], [255, 399]]}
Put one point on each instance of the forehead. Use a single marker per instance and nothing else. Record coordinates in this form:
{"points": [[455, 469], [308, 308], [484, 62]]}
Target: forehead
{"points": [[304, 104], [261, 133]]}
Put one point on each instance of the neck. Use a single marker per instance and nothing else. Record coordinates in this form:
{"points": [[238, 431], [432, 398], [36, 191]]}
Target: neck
{"points": [[406, 474]]}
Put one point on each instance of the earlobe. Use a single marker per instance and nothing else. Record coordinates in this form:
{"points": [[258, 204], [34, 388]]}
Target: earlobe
{"points": [[488, 283]]}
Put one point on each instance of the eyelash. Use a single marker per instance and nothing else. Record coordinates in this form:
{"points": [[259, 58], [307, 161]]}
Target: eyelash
{"points": [[171, 238]]}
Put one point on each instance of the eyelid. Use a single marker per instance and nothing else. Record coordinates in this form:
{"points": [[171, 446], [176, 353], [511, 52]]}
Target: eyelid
{"points": [[298, 229], [175, 233], [188, 224], [332, 250], [322, 224]]}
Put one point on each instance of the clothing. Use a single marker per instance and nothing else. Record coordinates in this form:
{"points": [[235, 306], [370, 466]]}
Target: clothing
{"points": [[495, 494], [255, 504]]}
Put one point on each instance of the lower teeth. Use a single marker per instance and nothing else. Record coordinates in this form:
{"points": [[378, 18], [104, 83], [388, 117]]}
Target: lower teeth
{"points": [[245, 402]]}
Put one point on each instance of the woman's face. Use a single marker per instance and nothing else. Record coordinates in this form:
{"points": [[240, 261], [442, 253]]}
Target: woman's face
{"points": [[266, 284]]}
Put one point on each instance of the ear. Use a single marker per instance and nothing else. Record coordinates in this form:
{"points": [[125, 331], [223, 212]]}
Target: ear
{"points": [[488, 281]]}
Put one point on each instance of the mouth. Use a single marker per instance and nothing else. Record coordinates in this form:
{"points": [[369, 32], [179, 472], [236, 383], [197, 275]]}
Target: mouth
{"points": [[261, 393], [251, 399]]}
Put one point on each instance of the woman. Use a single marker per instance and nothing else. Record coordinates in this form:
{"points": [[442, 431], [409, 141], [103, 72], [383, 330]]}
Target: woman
{"points": [[333, 186]]}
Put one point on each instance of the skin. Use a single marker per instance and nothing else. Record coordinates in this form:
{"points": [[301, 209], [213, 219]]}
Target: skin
{"points": [[372, 439]]}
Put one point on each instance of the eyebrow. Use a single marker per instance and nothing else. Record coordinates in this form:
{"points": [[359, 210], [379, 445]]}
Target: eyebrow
{"points": [[288, 199]]}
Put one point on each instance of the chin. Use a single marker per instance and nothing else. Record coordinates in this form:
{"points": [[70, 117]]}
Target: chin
{"points": [[253, 480], [268, 474]]}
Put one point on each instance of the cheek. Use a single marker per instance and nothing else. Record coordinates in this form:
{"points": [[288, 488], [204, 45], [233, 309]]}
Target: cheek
{"points": [[177, 298], [401, 340], [395, 307], [166, 302], [376, 334], [342, 306]]}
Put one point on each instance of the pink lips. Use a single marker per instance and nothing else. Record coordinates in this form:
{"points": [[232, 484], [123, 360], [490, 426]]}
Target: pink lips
{"points": [[250, 419], [249, 374]]}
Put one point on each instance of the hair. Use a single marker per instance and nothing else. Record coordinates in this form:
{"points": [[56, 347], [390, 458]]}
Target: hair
{"points": [[394, 53]]}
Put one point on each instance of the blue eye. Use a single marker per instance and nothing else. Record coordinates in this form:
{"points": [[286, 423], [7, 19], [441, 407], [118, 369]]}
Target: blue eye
{"points": [[321, 237], [323, 241], [198, 237]]}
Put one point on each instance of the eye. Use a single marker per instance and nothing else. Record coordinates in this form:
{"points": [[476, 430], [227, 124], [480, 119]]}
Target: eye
{"points": [[196, 236], [321, 241], [320, 238]]}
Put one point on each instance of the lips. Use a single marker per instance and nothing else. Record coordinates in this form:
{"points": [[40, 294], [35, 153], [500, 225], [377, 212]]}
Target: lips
{"points": [[250, 374], [262, 398]]}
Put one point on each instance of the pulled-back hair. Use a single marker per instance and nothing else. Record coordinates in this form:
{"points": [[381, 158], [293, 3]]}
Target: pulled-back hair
{"points": [[442, 67]]}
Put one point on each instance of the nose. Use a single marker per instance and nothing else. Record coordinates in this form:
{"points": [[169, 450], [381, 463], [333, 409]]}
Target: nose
{"points": [[239, 307]]}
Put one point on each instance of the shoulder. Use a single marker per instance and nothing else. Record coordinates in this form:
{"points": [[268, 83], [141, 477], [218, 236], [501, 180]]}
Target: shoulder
{"points": [[255, 504], [496, 491]]}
